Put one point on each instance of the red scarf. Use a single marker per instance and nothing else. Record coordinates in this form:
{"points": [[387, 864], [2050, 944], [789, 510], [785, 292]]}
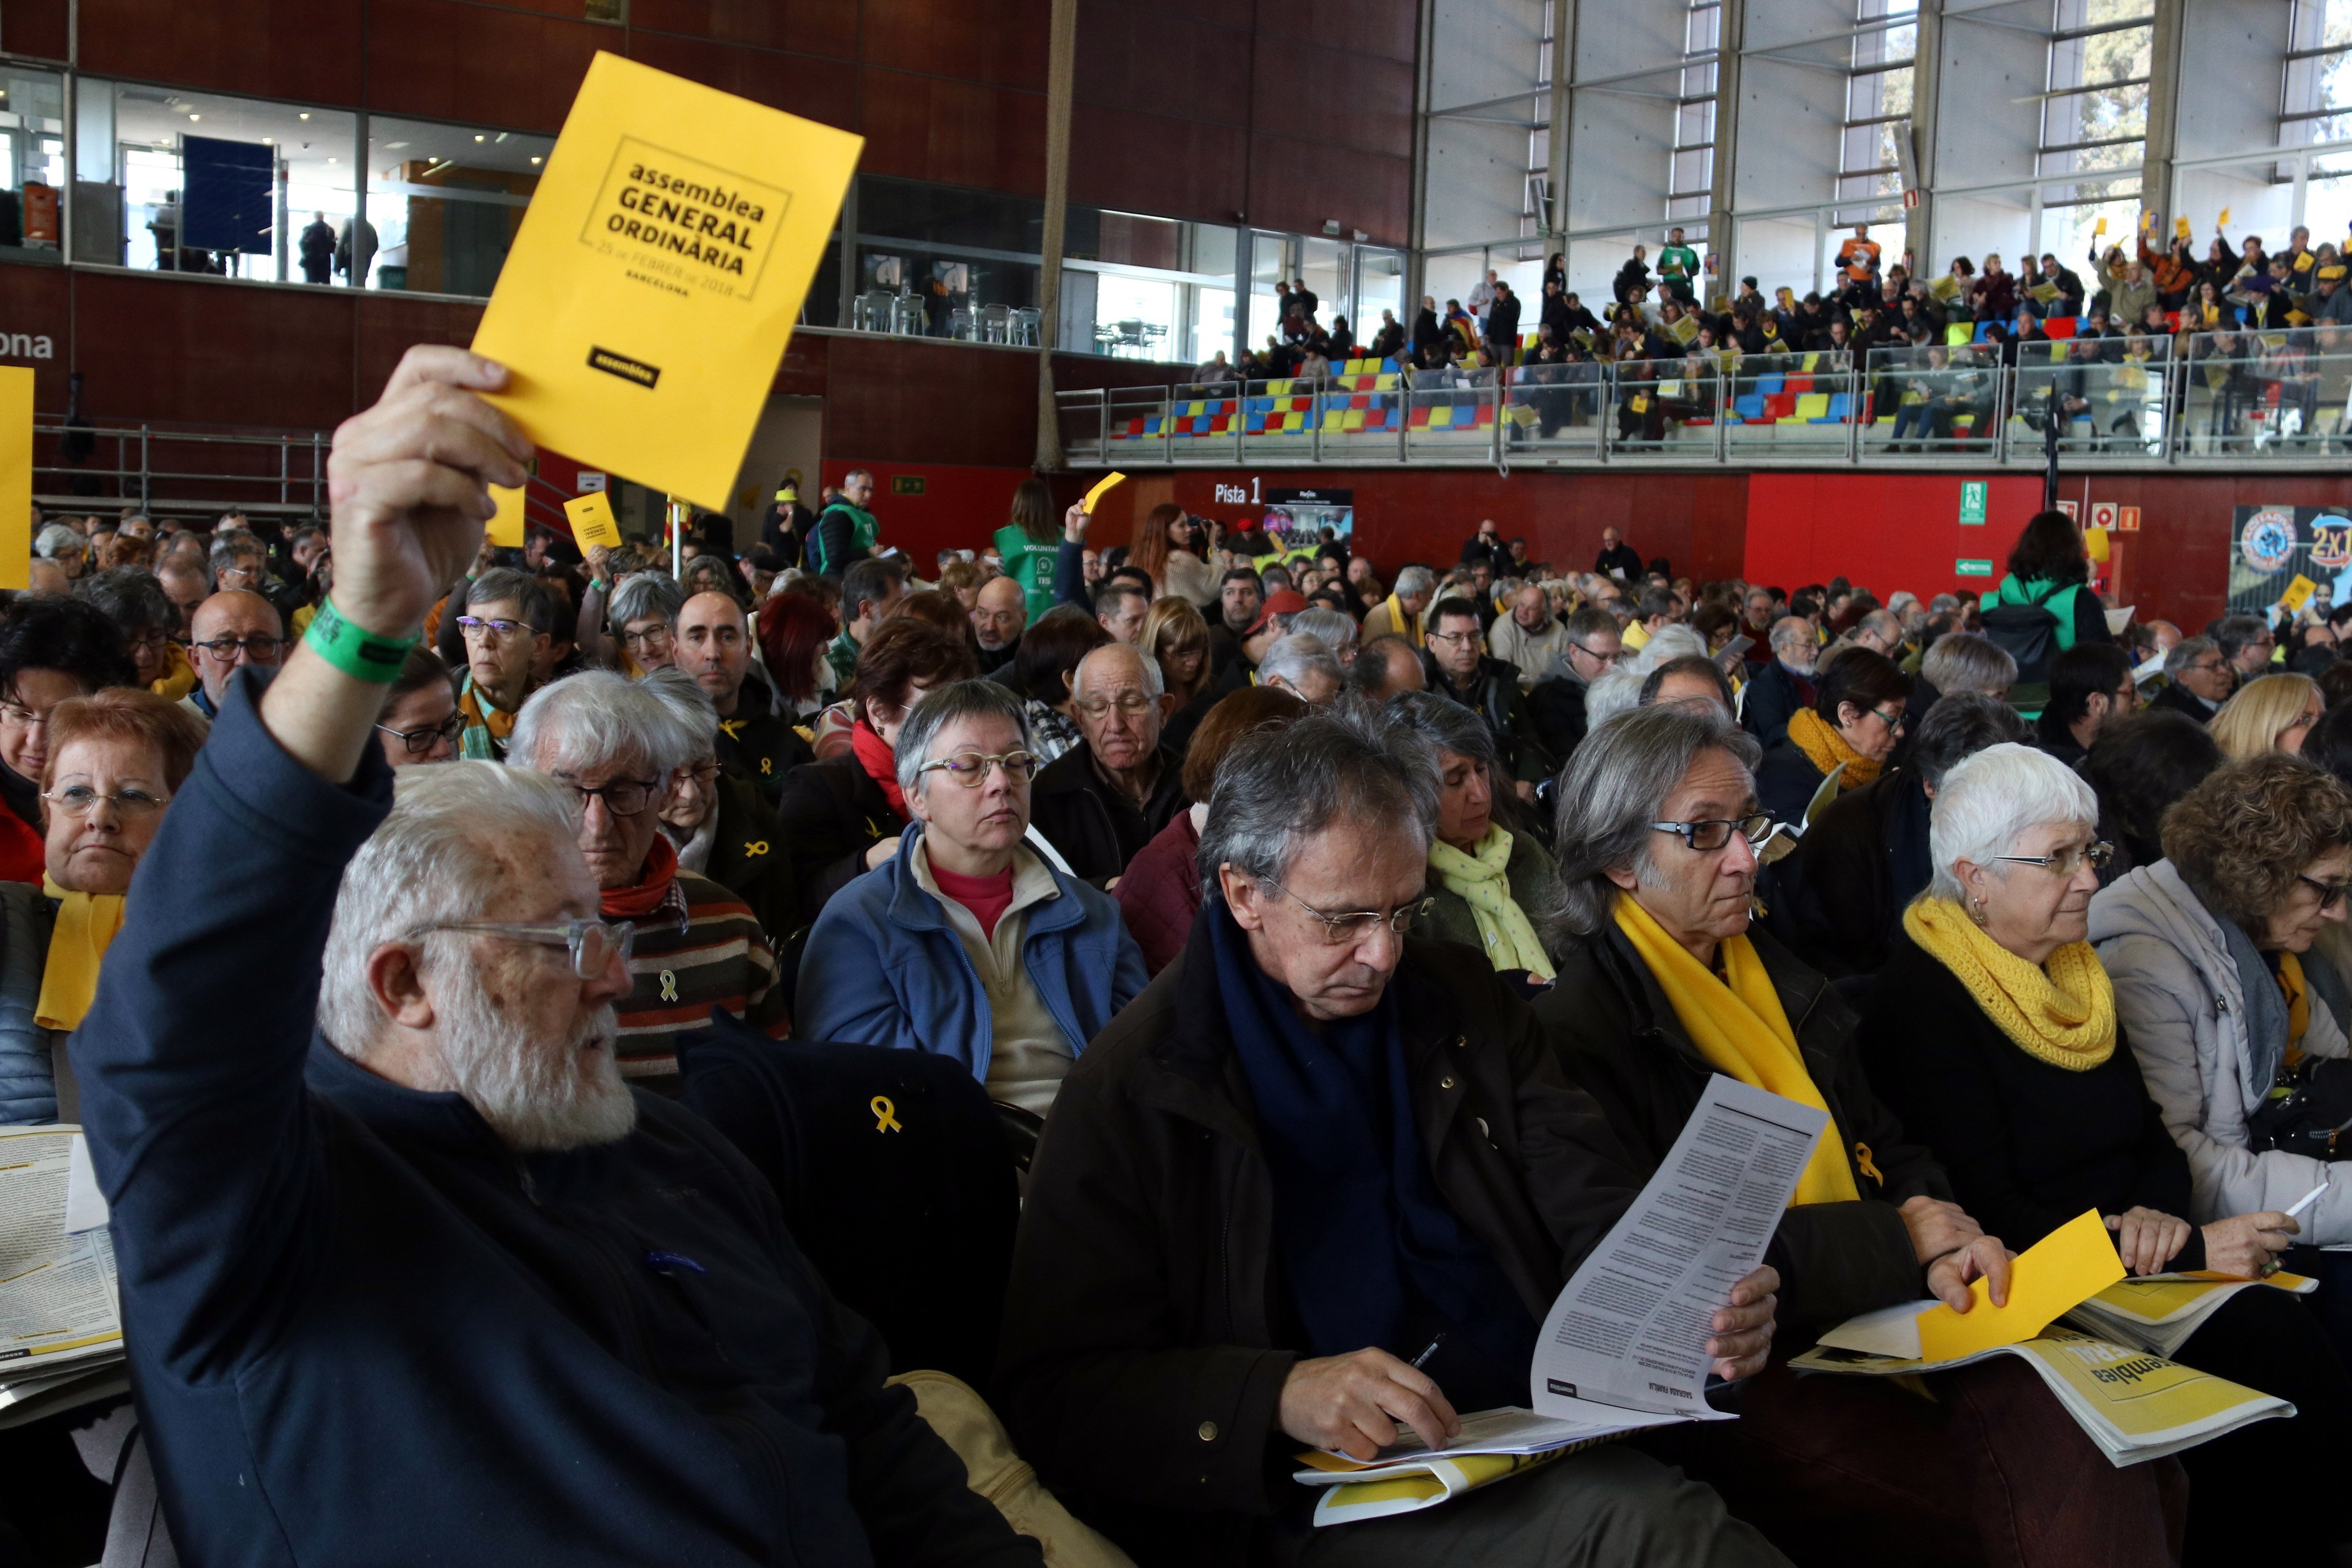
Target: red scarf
{"points": [[880, 762], [653, 889]]}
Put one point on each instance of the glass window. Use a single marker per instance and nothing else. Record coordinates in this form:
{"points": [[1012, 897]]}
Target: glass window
{"points": [[1268, 256], [32, 160], [1379, 286], [173, 181], [948, 214], [445, 202]]}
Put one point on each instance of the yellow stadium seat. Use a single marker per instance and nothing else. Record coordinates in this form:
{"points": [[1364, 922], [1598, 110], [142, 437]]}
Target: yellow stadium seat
{"points": [[1813, 406]]}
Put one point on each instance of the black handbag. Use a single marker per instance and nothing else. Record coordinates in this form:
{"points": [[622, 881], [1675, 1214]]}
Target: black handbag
{"points": [[2308, 1111]]}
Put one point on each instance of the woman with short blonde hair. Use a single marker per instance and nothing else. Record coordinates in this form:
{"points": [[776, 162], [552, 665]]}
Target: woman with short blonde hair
{"points": [[2270, 713]]}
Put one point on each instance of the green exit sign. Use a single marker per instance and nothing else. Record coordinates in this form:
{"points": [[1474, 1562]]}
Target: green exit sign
{"points": [[1967, 568], [906, 484], [1972, 503]]}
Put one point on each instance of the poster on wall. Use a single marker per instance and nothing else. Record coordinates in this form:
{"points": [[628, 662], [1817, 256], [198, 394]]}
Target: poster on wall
{"points": [[2274, 547], [1296, 519]]}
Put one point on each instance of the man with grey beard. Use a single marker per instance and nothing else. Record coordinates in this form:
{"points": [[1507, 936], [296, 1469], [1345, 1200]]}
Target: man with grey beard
{"points": [[408, 1273]]}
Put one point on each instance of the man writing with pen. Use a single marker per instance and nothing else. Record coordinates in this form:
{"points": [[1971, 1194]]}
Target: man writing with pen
{"points": [[1320, 1182]]}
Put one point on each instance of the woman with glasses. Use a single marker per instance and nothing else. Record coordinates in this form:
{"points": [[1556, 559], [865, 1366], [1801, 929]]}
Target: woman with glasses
{"points": [[1993, 1031], [2234, 1017], [50, 649], [134, 601], [114, 761], [420, 722], [2269, 713], [1858, 699], [721, 826], [1658, 824], [967, 942]]}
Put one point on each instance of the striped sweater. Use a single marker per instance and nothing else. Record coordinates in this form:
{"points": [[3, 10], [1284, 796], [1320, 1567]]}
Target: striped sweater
{"points": [[717, 958]]}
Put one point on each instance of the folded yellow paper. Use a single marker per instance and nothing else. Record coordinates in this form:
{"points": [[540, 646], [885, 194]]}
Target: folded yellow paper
{"points": [[1095, 494], [654, 283], [592, 520], [2054, 1276]]}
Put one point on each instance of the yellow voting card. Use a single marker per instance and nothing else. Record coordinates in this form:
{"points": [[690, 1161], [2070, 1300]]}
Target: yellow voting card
{"points": [[653, 286], [2180, 226], [2223, 221], [1101, 487], [505, 528], [15, 476], [593, 521], [2098, 228], [2298, 593], [2054, 1276]]}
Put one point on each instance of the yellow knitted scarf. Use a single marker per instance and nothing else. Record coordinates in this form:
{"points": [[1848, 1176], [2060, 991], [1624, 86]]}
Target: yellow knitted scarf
{"points": [[1481, 880], [86, 924], [178, 679], [1739, 1027], [1404, 626], [2062, 1012], [1825, 748]]}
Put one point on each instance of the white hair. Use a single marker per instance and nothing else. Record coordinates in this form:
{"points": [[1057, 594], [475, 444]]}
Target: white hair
{"points": [[1414, 580], [599, 720], [1612, 691], [1989, 800], [1335, 630], [1667, 644], [688, 704], [1153, 685], [1296, 655]]}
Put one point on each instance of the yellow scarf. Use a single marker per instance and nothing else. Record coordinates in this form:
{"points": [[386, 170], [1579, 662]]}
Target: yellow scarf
{"points": [[2062, 1012], [1404, 626], [2298, 1004], [85, 923], [1743, 1031], [1481, 880], [1825, 748], [177, 681]]}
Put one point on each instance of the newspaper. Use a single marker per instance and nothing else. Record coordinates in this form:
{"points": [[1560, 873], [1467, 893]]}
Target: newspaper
{"points": [[59, 1317], [2159, 1312]]}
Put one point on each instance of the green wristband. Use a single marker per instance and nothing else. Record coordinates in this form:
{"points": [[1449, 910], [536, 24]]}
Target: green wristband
{"points": [[358, 653]]}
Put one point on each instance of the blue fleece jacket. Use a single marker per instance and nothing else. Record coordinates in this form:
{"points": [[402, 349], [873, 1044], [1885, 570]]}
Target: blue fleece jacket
{"points": [[883, 967], [363, 1330]]}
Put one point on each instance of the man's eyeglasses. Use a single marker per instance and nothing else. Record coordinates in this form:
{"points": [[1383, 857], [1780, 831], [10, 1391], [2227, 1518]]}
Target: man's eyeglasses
{"points": [[80, 800], [492, 631], [420, 742], [261, 648], [2330, 893], [592, 944], [703, 772], [2204, 666], [1713, 833], [1344, 929], [1619, 657], [1461, 636], [622, 797], [2066, 862], [969, 769], [1134, 705]]}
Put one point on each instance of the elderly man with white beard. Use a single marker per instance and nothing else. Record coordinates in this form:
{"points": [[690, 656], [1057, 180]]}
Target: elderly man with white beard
{"points": [[424, 1279]]}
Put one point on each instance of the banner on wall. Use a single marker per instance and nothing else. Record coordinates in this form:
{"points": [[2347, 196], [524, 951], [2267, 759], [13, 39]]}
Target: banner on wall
{"points": [[2281, 552], [1295, 518]]}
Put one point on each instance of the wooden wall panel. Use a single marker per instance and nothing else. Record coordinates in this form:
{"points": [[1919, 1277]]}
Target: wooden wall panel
{"points": [[1000, 42], [304, 50], [447, 59], [826, 27], [1296, 185], [38, 27], [814, 88], [953, 133], [213, 352], [389, 325], [1152, 164], [905, 400]]}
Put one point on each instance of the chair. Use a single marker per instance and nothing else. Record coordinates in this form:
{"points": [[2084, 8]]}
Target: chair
{"points": [[996, 324], [1025, 326]]}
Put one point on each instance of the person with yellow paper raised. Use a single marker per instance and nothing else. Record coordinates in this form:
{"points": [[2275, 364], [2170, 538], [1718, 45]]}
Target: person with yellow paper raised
{"points": [[1656, 836], [1993, 1031]]}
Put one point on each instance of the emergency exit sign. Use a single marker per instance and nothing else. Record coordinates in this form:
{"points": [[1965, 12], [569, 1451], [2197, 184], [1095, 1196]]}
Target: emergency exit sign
{"points": [[1967, 568], [1972, 503]]}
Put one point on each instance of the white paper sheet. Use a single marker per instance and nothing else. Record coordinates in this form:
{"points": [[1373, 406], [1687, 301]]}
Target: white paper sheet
{"points": [[85, 1204], [1630, 1328], [57, 1292]]}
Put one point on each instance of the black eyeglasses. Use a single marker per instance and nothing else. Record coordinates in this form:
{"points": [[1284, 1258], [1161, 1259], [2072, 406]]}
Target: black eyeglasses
{"points": [[2330, 893], [1713, 833], [420, 742], [260, 646], [622, 797]]}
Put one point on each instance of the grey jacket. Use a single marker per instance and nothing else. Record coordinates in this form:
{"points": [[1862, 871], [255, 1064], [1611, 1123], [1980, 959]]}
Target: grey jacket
{"points": [[2208, 1046]]}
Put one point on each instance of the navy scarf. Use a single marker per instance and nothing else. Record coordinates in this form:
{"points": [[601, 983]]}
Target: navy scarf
{"points": [[1368, 1252]]}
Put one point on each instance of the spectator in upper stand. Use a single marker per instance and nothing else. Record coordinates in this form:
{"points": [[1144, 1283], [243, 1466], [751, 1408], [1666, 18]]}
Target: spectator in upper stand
{"points": [[720, 825], [1851, 728], [1679, 268], [1531, 637], [869, 590], [420, 722], [1455, 665], [1106, 797], [1388, 342], [134, 601], [505, 628], [615, 747], [845, 532], [1994, 297], [2063, 279], [1303, 665], [228, 632], [2247, 642], [1857, 257], [1400, 613], [1384, 666], [1618, 559], [997, 618], [1503, 326], [2091, 685], [1239, 593], [1785, 687], [969, 943], [51, 650], [1482, 297], [1632, 283], [1121, 605], [1556, 701], [842, 814], [755, 744], [2197, 680], [1205, 1139], [1865, 858], [1428, 331], [2130, 290]]}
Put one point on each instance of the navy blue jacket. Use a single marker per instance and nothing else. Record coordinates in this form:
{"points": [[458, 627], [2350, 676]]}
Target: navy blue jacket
{"points": [[363, 1330]]}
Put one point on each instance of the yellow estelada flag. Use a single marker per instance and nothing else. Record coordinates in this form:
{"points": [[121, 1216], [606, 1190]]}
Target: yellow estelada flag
{"points": [[654, 283]]}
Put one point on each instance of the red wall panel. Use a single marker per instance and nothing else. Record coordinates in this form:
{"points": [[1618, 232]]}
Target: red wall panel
{"points": [[1000, 42], [1886, 531], [448, 59], [212, 354], [826, 27], [305, 50], [961, 507], [1296, 185], [813, 88], [39, 28], [953, 133]]}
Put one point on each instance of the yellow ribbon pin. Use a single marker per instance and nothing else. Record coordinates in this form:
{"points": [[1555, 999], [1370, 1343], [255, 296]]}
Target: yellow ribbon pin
{"points": [[734, 728], [767, 764], [885, 1115], [757, 846], [1862, 1158], [670, 986]]}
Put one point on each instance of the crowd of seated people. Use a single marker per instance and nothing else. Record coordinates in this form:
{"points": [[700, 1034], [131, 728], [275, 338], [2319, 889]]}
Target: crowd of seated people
{"points": [[1321, 958]]}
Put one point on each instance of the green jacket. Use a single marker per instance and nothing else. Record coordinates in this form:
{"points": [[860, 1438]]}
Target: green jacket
{"points": [[1678, 261], [1031, 564]]}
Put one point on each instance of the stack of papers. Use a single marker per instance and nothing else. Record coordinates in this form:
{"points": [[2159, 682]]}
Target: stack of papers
{"points": [[1407, 1476], [60, 1324], [2158, 1313]]}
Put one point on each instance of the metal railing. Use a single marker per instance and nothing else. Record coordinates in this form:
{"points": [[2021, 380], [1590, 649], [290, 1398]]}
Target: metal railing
{"points": [[284, 474], [2208, 400]]}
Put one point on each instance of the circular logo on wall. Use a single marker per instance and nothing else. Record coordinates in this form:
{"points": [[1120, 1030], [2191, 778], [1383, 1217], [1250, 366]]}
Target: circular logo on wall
{"points": [[2268, 541]]}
